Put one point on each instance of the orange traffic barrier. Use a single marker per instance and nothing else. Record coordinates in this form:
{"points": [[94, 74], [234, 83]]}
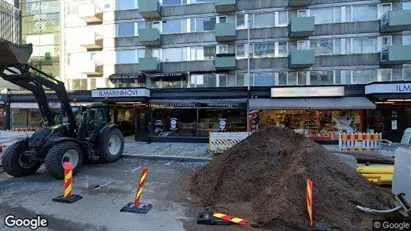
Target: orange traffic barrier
{"points": [[310, 200], [68, 196], [138, 207], [229, 218]]}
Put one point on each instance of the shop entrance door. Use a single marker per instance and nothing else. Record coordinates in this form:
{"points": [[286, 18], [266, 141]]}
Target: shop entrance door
{"points": [[142, 124]]}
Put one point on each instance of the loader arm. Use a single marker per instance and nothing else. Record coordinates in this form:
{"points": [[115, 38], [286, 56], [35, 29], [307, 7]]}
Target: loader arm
{"points": [[14, 68]]}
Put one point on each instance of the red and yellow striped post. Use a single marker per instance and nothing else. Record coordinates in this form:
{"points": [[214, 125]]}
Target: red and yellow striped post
{"points": [[68, 182], [138, 207], [140, 187], [68, 196], [229, 218], [310, 200]]}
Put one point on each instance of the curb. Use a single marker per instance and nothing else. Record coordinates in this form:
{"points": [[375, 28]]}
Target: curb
{"points": [[175, 158]]}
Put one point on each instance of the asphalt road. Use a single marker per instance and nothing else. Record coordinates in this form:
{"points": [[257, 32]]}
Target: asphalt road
{"points": [[105, 190]]}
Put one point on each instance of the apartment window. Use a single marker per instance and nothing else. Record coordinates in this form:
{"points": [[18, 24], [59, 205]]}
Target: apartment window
{"points": [[281, 49], [384, 42], [322, 15], [406, 39], [93, 83], [342, 77], [321, 77], [364, 13], [175, 54], [364, 76], [337, 14], [203, 80], [263, 20], [203, 24], [282, 78], [364, 45], [323, 47], [263, 79], [385, 75], [303, 13], [126, 4], [125, 29], [262, 50], [127, 57], [303, 45], [203, 53], [297, 78], [174, 2], [407, 74], [406, 5], [79, 84], [281, 18], [240, 21], [175, 26], [337, 46], [384, 8], [240, 51]]}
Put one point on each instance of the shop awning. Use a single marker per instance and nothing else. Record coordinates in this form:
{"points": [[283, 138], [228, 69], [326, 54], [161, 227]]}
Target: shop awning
{"points": [[203, 102], [261, 104], [354, 103]]}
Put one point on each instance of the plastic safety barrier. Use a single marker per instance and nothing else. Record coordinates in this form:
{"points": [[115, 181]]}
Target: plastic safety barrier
{"points": [[220, 141], [359, 141]]}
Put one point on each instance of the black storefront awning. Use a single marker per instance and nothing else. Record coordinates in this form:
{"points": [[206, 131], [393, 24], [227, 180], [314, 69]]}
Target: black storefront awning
{"points": [[242, 102], [169, 76], [127, 78]]}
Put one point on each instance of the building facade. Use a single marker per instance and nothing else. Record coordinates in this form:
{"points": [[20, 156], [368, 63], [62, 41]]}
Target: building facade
{"points": [[41, 26], [178, 69]]}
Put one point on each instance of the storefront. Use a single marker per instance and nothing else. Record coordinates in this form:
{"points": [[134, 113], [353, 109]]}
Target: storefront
{"points": [[192, 120], [393, 113], [302, 109]]}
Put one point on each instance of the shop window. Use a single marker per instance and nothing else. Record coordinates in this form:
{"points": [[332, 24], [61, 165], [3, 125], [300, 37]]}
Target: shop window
{"points": [[321, 125], [221, 120], [175, 122]]}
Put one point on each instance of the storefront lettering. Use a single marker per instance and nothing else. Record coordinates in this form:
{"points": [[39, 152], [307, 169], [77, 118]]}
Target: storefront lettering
{"points": [[404, 88], [124, 93]]}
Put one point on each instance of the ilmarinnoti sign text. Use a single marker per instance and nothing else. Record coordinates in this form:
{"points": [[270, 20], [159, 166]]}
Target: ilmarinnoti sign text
{"points": [[107, 93]]}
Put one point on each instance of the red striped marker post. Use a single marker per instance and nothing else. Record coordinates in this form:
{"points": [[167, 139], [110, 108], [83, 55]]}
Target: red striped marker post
{"points": [[68, 196], [138, 207]]}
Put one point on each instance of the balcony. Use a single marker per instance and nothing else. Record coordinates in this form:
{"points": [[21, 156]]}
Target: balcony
{"points": [[149, 9], [396, 55], [225, 32], [149, 64], [225, 62], [225, 6], [301, 58], [149, 36], [298, 3], [90, 13], [92, 69], [92, 41], [396, 21], [301, 27]]}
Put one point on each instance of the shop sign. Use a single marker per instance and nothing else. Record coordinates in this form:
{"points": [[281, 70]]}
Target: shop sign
{"points": [[223, 124], [218, 104], [123, 78], [279, 92], [110, 93], [388, 88], [173, 124], [167, 105]]}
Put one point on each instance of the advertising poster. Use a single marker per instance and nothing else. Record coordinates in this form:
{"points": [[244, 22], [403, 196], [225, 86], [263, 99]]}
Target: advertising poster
{"points": [[173, 124]]}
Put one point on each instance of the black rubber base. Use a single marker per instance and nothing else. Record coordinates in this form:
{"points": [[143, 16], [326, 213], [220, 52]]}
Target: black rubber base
{"points": [[206, 218], [71, 199], [142, 208]]}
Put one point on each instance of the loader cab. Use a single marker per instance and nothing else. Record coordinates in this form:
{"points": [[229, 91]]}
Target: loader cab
{"points": [[91, 119]]}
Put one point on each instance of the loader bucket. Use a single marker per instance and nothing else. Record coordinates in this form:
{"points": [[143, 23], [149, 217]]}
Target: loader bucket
{"points": [[11, 53]]}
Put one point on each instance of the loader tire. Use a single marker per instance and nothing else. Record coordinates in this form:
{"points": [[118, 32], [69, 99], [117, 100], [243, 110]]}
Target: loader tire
{"points": [[111, 146], [15, 164], [60, 152]]}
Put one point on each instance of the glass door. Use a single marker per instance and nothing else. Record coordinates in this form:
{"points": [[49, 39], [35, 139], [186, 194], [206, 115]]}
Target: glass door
{"points": [[142, 132]]}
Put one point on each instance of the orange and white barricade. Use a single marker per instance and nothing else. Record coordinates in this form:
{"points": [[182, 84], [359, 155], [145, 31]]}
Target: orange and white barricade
{"points": [[220, 141], [359, 141]]}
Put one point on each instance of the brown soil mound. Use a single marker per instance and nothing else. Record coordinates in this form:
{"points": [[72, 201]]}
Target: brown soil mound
{"points": [[264, 178]]}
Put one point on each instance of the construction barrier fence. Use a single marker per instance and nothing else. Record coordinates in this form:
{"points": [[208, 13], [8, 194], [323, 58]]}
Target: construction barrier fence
{"points": [[359, 141], [220, 141]]}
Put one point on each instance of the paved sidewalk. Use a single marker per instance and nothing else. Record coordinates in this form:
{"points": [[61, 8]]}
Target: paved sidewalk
{"points": [[160, 149]]}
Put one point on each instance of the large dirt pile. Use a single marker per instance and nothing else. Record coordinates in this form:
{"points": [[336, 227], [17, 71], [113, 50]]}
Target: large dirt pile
{"points": [[264, 178]]}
